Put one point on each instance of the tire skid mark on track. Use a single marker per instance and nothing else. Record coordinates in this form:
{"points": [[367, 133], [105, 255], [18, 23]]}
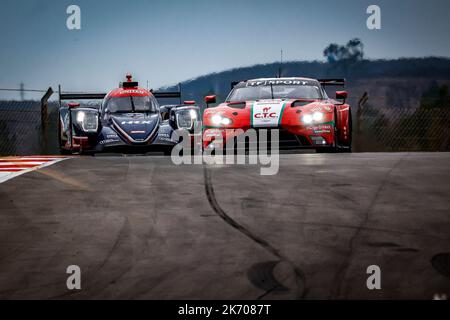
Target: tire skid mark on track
{"points": [[120, 238], [210, 194], [123, 242], [371, 229], [343, 269], [441, 263]]}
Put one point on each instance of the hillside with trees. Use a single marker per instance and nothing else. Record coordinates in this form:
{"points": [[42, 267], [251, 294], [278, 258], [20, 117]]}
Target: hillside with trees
{"points": [[400, 82]]}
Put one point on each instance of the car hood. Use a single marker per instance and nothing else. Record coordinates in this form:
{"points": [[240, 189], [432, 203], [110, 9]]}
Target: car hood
{"points": [[136, 127]]}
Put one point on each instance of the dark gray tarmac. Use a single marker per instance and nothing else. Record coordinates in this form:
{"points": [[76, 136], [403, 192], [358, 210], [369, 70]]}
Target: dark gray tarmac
{"points": [[140, 227]]}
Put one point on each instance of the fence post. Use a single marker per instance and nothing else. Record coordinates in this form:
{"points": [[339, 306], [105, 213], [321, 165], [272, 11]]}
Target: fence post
{"points": [[44, 115], [359, 113], [44, 107]]}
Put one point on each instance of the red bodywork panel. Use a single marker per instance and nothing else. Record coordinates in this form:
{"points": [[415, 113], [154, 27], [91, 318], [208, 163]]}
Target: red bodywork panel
{"points": [[344, 123], [78, 143]]}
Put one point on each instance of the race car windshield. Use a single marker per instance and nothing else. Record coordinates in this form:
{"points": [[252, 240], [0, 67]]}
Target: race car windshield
{"points": [[131, 104], [275, 92]]}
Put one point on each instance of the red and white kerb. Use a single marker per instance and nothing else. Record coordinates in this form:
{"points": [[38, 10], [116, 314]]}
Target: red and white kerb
{"points": [[11, 167]]}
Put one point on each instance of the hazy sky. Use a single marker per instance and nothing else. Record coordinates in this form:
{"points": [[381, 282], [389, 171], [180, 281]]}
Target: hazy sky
{"points": [[167, 41]]}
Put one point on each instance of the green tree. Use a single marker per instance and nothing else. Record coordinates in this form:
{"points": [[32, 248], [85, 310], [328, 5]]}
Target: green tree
{"points": [[352, 52]]}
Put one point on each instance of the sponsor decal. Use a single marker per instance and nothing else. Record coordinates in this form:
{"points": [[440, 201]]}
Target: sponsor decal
{"points": [[137, 122], [277, 82], [267, 113], [321, 129], [164, 136], [320, 108], [106, 141], [131, 139], [129, 91]]}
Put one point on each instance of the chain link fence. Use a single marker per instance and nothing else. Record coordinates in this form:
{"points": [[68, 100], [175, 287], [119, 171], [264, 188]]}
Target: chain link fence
{"points": [[26, 130], [392, 129]]}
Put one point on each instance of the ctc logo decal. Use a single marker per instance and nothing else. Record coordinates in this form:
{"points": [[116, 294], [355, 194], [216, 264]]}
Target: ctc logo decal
{"points": [[265, 114]]}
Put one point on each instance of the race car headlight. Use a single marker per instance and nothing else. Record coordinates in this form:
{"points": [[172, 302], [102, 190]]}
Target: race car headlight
{"points": [[193, 114], [218, 120], [80, 116], [185, 118], [226, 121], [307, 118], [317, 116], [87, 120]]}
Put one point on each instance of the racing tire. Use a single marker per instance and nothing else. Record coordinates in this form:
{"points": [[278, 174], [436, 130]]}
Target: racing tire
{"points": [[64, 152], [167, 151]]}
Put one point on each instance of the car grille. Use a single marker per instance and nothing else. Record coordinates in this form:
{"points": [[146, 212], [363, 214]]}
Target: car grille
{"points": [[287, 140]]}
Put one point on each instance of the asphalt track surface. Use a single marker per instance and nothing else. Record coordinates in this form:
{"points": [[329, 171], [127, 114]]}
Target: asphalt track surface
{"points": [[141, 227]]}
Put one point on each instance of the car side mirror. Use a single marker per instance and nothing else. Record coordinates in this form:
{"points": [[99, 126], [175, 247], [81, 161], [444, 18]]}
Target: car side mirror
{"points": [[342, 95], [106, 114], [164, 111], [210, 99]]}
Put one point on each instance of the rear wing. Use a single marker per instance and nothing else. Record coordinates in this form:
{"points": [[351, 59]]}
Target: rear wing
{"points": [[332, 82], [81, 96], [166, 95], [100, 96]]}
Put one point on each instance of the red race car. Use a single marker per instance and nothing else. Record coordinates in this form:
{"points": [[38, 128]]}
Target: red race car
{"points": [[299, 107]]}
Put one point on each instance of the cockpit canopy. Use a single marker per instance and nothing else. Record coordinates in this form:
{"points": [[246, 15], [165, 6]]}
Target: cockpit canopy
{"points": [[130, 104], [130, 98]]}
